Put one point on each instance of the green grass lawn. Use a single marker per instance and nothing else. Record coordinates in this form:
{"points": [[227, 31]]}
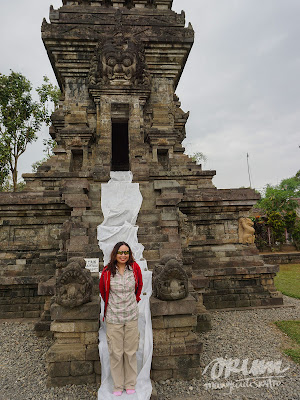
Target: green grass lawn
{"points": [[287, 281], [292, 329]]}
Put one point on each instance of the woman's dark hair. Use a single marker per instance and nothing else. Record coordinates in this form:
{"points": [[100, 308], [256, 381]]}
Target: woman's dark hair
{"points": [[111, 266]]}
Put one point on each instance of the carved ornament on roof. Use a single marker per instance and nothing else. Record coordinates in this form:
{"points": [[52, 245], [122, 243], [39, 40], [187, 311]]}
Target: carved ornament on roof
{"points": [[119, 61]]}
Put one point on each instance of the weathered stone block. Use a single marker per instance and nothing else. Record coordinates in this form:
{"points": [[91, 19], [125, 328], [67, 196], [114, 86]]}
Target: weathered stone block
{"points": [[88, 311], [184, 306], [177, 341], [162, 350], [255, 303], [157, 323], [8, 315], [97, 367], [66, 352], [173, 321], [67, 335], [21, 262], [64, 340], [194, 348], [161, 375], [57, 369], [92, 352], [36, 300], [191, 338], [77, 200], [243, 303], [272, 301], [78, 243], [152, 254], [32, 314], [47, 288], [176, 362], [90, 338], [32, 307], [42, 326], [79, 368], [160, 336], [78, 326], [178, 349], [163, 363], [203, 322], [62, 327], [166, 184]]}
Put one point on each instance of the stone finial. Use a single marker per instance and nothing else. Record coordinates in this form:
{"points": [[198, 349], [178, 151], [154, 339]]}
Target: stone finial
{"points": [[74, 285], [140, 3], [164, 4], [118, 3], [170, 281], [246, 231]]}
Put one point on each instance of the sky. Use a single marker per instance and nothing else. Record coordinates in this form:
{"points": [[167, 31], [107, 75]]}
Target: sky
{"points": [[241, 83]]}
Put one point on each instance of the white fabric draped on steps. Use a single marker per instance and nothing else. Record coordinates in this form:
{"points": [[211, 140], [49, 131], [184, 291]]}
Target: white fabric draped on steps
{"points": [[121, 201]]}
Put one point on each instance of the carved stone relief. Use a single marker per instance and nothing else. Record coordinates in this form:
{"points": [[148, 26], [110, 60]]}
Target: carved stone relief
{"points": [[119, 61], [74, 285], [170, 281], [246, 231]]}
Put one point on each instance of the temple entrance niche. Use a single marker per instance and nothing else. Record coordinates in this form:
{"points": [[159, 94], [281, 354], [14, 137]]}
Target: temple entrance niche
{"points": [[120, 148], [120, 138]]}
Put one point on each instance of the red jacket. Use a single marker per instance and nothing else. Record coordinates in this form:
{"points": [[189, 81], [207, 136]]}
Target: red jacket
{"points": [[104, 284]]}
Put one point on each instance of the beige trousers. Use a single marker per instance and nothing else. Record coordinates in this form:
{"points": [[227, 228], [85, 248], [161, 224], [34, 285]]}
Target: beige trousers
{"points": [[123, 343]]}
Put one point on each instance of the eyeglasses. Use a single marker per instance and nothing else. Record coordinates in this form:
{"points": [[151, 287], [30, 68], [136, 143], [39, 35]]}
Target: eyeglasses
{"points": [[123, 252]]}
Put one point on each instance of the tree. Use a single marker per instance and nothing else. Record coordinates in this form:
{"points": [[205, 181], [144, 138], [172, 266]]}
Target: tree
{"points": [[279, 203], [50, 145], [48, 94], [281, 198], [4, 170], [199, 157], [20, 119]]}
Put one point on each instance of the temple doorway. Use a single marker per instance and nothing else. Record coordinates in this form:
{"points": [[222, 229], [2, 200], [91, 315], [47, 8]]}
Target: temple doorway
{"points": [[120, 147]]}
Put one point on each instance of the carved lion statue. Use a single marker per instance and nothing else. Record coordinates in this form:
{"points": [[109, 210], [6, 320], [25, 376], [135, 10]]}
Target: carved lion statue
{"points": [[246, 231], [170, 281], [74, 285]]}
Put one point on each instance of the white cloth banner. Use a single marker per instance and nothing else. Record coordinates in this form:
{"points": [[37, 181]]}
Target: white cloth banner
{"points": [[120, 202]]}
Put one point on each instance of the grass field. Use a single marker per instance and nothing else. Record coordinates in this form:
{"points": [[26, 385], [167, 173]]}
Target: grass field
{"points": [[292, 329], [287, 281]]}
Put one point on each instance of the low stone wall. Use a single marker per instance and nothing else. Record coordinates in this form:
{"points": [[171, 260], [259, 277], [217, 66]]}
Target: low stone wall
{"points": [[281, 258], [236, 288], [20, 301], [176, 346]]}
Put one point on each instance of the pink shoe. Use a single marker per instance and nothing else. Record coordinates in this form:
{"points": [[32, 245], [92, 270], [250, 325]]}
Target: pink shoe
{"points": [[118, 393], [130, 391]]}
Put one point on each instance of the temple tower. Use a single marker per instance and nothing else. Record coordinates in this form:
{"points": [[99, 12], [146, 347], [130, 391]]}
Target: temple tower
{"points": [[118, 63]]}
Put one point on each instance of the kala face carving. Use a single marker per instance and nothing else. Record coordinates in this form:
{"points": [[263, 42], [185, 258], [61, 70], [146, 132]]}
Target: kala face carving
{"points": [[119, 65], [117, 62]]}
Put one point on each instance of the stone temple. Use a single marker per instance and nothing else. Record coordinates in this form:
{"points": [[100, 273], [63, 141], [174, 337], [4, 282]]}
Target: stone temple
{"points": [[118, 63]]}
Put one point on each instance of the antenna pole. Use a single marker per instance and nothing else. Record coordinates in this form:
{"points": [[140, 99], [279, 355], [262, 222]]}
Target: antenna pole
{"points": [[249, 170]]}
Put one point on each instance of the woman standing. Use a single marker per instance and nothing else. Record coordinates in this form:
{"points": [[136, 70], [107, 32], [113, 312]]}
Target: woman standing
{"points": [[120, 287]]}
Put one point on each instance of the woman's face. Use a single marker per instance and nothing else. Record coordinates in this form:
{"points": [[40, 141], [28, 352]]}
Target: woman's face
{"points": [[123, 257]]}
